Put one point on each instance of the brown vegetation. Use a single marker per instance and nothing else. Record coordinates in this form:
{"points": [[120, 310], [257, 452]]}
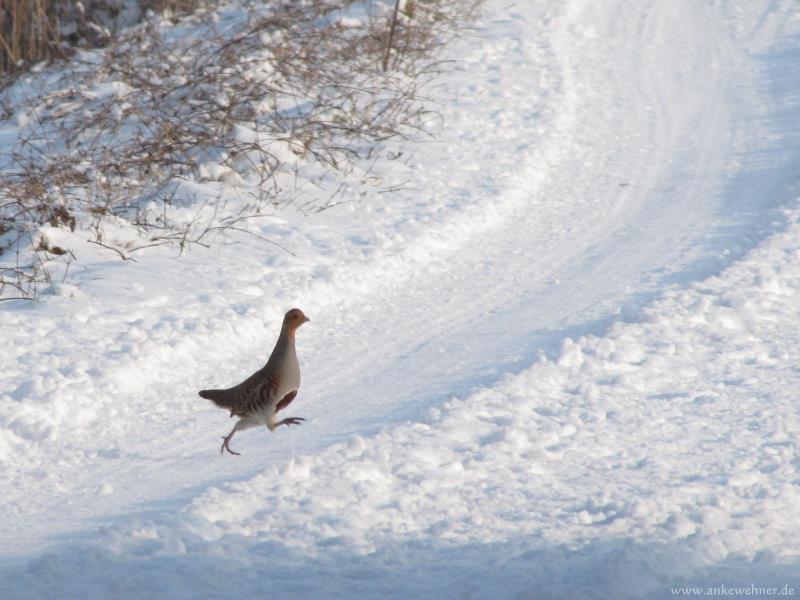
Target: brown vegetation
{"points": [[28, 32], [293, 86], [35, 30]]}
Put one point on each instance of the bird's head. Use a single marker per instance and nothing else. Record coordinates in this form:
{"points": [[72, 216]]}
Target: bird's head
{"points": [[294, 318]]}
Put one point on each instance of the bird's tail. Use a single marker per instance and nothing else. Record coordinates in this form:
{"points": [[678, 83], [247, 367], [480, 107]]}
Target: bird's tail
{"points": [[218, 397]]}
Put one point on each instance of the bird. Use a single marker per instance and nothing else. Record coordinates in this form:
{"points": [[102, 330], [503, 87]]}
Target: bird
{"points": [[258, 399]]}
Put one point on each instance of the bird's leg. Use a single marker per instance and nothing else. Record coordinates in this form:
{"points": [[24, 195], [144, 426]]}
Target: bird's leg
{"points": [[290, 421], [227, 440]]}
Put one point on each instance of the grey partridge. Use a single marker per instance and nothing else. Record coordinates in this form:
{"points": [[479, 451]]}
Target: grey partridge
{"points": [[259, 398]]}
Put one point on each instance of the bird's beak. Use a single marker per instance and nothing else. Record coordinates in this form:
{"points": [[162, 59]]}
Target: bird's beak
{"points": [[305, 319]]}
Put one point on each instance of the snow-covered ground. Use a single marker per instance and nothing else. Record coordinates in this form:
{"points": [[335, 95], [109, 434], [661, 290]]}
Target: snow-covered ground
{"points": [[562, 362]]}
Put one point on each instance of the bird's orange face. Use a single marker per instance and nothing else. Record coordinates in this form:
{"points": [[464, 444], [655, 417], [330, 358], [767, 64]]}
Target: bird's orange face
{"points": [[294, 318]]}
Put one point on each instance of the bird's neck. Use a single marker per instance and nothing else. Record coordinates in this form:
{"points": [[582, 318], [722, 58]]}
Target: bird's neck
{"points": [[287, 333], [285, 343]]}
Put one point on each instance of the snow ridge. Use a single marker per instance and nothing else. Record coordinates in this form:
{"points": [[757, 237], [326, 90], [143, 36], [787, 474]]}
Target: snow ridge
{"points": [[689, 415]]}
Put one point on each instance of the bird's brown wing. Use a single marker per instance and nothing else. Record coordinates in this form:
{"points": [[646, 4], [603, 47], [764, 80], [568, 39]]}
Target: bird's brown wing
{"points": [[252, 396], [258, 397], [237, 398]]}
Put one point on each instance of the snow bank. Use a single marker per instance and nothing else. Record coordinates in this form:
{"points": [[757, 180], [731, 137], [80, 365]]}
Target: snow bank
{"points": [[664, 456]]}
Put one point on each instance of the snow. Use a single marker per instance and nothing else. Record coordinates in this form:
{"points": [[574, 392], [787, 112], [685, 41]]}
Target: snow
{"points": [[561, 361]]}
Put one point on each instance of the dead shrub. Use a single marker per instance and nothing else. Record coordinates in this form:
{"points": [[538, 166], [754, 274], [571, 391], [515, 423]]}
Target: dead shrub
{"points": [[295, 86]]}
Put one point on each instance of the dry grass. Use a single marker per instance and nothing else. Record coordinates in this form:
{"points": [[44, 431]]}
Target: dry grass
{"points": [[28, 31], [32, 30]]}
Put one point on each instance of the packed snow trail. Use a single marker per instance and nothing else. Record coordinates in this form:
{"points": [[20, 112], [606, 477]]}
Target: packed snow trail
{"points": [[592, 155]]}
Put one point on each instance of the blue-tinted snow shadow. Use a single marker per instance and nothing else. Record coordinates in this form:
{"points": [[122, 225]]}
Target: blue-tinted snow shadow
{"points": [[237, 567]]}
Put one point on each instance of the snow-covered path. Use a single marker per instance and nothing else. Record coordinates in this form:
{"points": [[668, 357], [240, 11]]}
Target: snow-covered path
{"points": [[594, 157], [601, 193]]}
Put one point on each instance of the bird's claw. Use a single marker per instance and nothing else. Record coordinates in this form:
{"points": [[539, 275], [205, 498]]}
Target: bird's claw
{"points": [[293, 420], [226, 447]]}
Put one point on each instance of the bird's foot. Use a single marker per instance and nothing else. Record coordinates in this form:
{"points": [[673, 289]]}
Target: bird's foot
{"points": [[291, 421], [226, 440]]}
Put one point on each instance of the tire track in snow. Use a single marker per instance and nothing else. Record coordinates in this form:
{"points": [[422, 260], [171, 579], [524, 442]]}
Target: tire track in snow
{"points": [[607, 226]]}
